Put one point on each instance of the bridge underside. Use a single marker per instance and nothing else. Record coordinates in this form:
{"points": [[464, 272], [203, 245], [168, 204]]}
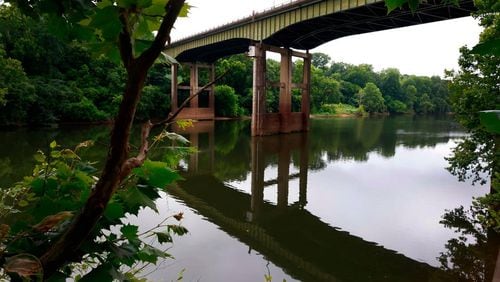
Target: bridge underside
{"points": [[302, 25], [312, 33], [368, 18]]}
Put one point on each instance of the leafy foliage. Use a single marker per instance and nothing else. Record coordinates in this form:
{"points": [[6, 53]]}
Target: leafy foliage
{"points": [[371, 99], [226, 101], [40, 207], [46, 79], [474, 88], [472, 256]]}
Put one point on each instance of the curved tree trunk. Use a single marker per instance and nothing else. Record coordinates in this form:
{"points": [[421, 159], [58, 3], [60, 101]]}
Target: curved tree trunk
{"points": [[115, 168]]}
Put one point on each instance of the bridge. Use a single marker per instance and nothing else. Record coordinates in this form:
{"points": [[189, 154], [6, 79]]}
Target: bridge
{"points": [[298, 25]]}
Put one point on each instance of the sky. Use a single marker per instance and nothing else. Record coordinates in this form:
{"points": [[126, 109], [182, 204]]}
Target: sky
{"points": [[426, 49]]}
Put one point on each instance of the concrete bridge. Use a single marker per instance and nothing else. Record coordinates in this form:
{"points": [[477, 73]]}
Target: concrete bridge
{"points": [[299, 25]]}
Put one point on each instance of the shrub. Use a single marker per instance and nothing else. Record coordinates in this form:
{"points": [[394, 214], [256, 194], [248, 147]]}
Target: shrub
{"points": [[226, 102]]}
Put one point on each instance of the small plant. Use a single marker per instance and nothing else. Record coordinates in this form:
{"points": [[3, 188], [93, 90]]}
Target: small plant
{"points": [[38, 209]]}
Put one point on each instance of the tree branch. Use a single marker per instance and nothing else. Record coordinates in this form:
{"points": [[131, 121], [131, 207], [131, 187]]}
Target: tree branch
{"points": [[65, 247], [137, 161], [172, 8], [124, 41]]}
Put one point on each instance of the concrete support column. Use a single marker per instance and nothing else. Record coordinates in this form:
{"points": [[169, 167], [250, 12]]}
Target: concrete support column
{"points": [[259, 89], [285, 100], [193, 82], [306, 92], [173, 88]]}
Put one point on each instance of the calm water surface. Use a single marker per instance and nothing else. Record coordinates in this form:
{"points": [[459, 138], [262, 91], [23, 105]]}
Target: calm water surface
{"points": [[352, 200]]}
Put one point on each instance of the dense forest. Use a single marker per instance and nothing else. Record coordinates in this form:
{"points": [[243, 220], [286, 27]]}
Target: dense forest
{"points": [[46, 80]]}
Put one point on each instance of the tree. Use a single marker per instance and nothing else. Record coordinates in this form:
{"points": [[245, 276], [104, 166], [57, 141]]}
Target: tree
{"points": [[121, 29], [360, 75], [423, 105], [390, 86], [474, 88], [239, 78], [320, 60], [324, 90], [371, 99], [16, 91], [226, 101]]}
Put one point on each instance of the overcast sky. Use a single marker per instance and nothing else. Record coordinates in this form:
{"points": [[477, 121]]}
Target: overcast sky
{"points": [[425, 49]]}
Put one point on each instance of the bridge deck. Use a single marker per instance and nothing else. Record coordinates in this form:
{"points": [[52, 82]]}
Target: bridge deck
{"points": [[306, 24]]}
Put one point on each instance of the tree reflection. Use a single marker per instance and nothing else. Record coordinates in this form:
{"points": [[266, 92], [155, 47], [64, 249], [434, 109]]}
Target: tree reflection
{"points": [[472, 255]]}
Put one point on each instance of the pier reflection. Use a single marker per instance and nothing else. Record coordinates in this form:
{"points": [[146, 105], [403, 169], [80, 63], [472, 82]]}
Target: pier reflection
{"points": [[285, 233]]}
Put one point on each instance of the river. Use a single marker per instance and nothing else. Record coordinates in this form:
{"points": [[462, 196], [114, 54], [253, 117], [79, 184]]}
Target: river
{"points": [[354, 199]]}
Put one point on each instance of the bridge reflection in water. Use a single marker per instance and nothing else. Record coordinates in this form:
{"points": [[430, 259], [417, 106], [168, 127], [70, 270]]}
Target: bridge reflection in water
{"points": [[286, 233]]}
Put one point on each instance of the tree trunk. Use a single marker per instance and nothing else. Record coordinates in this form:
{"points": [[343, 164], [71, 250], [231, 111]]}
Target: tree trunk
{"points": [[118, 153]]}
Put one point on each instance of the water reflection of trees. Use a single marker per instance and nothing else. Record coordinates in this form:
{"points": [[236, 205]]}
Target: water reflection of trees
{"points": [[472, 255], [330, 140], [19, 146]]}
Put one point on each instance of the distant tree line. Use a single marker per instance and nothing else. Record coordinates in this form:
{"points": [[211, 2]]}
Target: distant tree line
{"points": [[333, 84], [46, 80]]}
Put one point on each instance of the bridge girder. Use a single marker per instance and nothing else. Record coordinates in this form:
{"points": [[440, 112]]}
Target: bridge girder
{"points": [[306, 24]]}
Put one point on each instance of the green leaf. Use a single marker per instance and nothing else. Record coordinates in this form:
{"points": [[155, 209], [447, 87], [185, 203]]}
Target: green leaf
{"points": [[491, 120], [100, 273], [134, 199], [166, 59], [185, 10], [55, 154], [37, 186], [488, 47], [57, 26], [143, 31], [104, 3], [125, 252], [107, 21], [177, 229], [151, 254], [69, 154], [130, 231], [177, 137], [393, 4], [157, 174], [126, 3], [163, 237], [39, 156], [144, 3], [155, 10], [53, 144], [114, 211], [141, 45]]}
